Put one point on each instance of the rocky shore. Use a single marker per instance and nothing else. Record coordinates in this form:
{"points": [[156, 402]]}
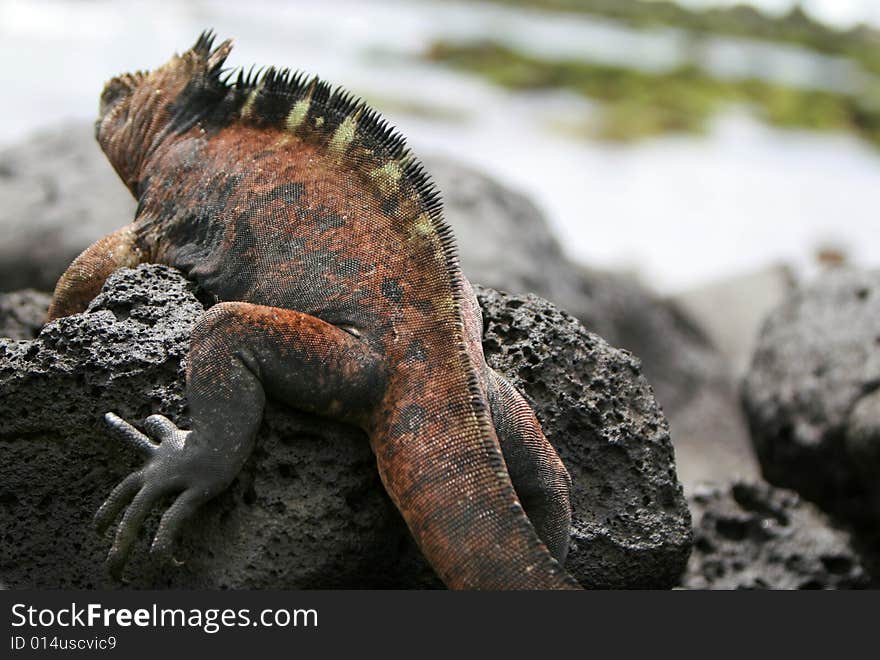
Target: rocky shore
{"points": [[683, 475]]}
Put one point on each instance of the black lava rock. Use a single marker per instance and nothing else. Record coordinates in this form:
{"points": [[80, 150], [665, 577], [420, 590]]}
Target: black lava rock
{"points": [[754, 536], [631, 526], [812, 395], [308, 509]]}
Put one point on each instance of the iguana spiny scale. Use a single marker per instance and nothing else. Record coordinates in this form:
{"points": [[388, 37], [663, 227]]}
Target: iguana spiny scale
{"points": [[339, 292]]}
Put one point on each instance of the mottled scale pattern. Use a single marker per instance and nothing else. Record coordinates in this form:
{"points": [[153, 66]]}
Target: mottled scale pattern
{"points": [[322, 239]]}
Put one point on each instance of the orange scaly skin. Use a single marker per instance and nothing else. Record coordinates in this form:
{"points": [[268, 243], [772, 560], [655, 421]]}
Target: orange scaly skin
{"points": [[339, 293]]}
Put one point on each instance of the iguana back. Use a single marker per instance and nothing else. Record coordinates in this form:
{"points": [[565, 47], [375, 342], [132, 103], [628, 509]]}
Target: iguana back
{"points": [[339, 292]]}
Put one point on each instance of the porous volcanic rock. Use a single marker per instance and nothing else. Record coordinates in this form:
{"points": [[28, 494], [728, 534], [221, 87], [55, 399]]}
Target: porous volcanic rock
{"points": [[630, 523], [754, 536], [812, 395], [308, 509]]}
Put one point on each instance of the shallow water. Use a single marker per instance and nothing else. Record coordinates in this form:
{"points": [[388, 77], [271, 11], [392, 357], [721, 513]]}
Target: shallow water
{"points": [[679, 210]]}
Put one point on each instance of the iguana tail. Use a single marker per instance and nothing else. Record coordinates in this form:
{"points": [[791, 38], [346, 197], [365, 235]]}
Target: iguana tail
{"points": [[441, 463]]}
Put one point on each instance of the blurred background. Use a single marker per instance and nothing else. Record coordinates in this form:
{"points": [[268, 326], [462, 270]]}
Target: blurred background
{"points": [[683, 142]]}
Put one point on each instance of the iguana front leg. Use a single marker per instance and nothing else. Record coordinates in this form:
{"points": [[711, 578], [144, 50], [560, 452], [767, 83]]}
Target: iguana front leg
{"points": [[84, 278], [540, 479], [239, 352]]}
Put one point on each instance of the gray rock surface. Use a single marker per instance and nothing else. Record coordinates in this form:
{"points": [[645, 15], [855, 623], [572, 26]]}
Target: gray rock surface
{"points": [[308, 509], [692, 380], [504, 239], [813, 394], [601, 415], [754, 536], [58, 194], [732, 310], [22, 313]]}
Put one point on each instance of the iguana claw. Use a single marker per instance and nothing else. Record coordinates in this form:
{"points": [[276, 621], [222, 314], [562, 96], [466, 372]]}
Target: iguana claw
{"points": [[171, 467]]}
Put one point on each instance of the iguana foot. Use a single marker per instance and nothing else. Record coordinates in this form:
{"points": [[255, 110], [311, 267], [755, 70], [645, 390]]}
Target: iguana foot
{"points": [[173, 465]]}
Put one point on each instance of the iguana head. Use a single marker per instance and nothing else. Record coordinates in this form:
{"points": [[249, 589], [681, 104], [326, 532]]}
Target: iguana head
{"points": [[138, 110]]}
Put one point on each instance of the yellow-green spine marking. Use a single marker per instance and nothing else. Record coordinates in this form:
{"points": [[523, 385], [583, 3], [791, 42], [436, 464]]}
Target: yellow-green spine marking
{"points": [[297, 114], [387, 177], [344, 134], [248, 106]]}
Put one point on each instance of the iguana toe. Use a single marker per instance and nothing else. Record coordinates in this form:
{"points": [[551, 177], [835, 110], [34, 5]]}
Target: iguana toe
{"points": [[169, 468]]}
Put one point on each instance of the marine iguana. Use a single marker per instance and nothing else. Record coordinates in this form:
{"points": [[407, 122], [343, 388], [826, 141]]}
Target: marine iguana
{"points": [[339, 292]]}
